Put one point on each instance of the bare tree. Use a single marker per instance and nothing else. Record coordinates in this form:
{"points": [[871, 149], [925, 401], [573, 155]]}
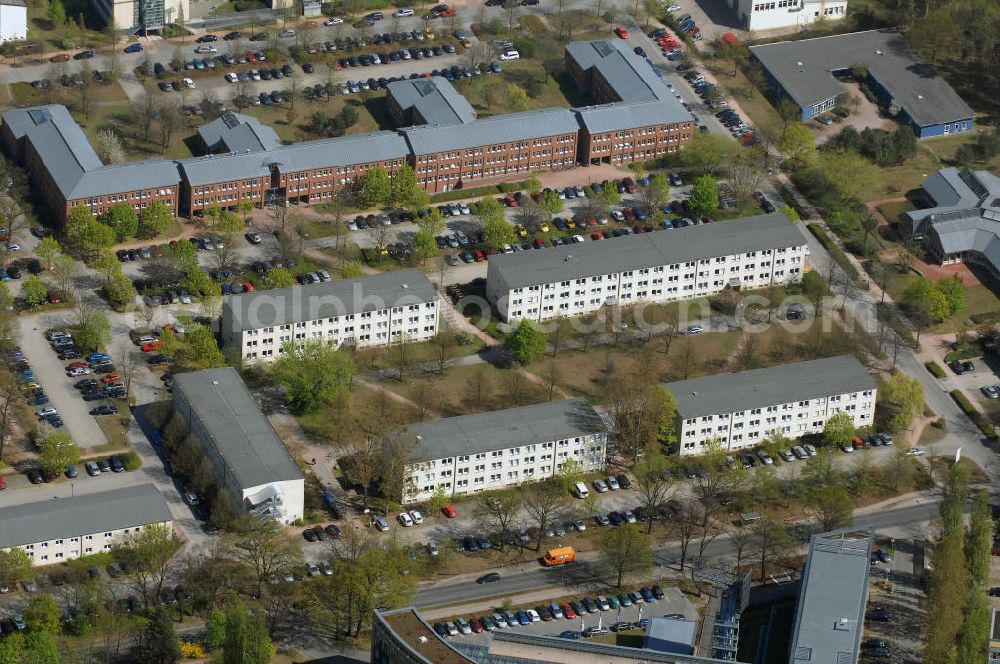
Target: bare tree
{"points": [[169, 120], [741, 536], [497, 512], [772, 543], [261, 546], [543, 502], [686, 524], [379, 234], [653, 481], [146, 115], [444, 347]]}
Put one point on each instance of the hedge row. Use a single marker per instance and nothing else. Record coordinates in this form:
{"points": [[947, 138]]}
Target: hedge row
{"points": [[973, 414], [935, 369], [835, 251], [475, 192], [888, 314]]}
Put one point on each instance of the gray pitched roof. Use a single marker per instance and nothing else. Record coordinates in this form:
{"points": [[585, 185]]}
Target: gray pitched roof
{"points": [[58, 518], [221, 168], [332, 298], [240, 133], [428, 139], [626, 115], [830, 615], [341, 151], [501, 429], [242, 436], [65, 151], [803, 68], [784, 383], [20, 120], [434, 98], [577, 261], [629, 75], [132, 176]]}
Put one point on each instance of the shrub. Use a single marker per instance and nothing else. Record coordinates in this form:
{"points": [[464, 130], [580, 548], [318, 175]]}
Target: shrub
{"points": [[973, 414], [835, 252], [935, 369], [132, 461], [192, 650]]}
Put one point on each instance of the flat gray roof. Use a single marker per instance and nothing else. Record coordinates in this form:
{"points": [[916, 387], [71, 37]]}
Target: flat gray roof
{"points": [[803, 68], [674, 635], [434, 98], [282, 306], [511, 127], [500, 429], [626, 115], [631, 77], [242, 435], [59, 518], [830, 616], [630, 252], [784, 383]]}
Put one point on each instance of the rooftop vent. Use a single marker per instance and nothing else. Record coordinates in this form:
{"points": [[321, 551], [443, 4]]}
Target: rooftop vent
{"points": [[799, 64], [422, 638], [843, 625], [879, 53], [920, 96], [404, 286], [215, 382]]}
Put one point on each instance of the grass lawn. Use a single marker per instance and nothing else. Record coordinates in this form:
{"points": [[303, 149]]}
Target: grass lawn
{"points": [[288, 122], [341, 425], [911, 174], [892, 209], [487, 94], [979, 299]]}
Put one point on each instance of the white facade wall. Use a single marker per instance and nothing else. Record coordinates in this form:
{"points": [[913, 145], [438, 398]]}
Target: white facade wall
{"points": [[664, 283], [749, 428], [74, 545], [775, 14], [415, 322], [13, 22], [498, 469]]}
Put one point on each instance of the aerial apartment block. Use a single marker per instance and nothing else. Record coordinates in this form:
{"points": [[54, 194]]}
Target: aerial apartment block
{"points": [[437, 133], [60, 529], [375, 310], [741, 410], [488, 451], [678, 264], [250, 461]]}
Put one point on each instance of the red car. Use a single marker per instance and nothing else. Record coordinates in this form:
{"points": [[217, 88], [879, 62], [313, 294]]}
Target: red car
{"points": [[597, 236], [510, 201], [539, 242], [449, 511], [78, 365], [3, 483], [152, 345], [479, 256], [621, 32], [54, 297], [858, 443], [476, 626], [568, 611], [248, 287], [111, 378], [59, 57]]}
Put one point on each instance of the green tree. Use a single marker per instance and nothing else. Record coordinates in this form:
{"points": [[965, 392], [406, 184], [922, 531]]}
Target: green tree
{"points": [[65, 270], [158, 643], [953, 292], [798, 144], [47, 250], [15, 567], [351, 270], [608, 195], [424, 245], [77, 221], [852, 176], [830, 506], [215, 629], [517, 99], [34, 291], [57, 14], [527, 342], [376, 187], [553, 205], [245, 207], [155, 219], [498, 233], [201, 351], [12, 649], [569, 474], [790, 212], [122, 219], [922, 295], [120, 292], [107, 264], [626, 550], [839, 429], [229, 223], [900, 401], [312, 373], [979, 543], [704, 195], [40, 647], [95, 332], [282, 277], [707, 152], [407, 192], [43, 615], [58, 452], [169, 344]]}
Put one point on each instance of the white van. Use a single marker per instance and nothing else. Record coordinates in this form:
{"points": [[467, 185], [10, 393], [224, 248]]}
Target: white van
{"points": [[581, 490]]}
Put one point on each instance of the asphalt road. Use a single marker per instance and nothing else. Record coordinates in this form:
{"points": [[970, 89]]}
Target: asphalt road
{"points": [[540, 577]]}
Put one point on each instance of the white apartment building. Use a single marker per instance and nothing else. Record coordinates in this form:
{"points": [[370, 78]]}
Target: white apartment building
{"points": [[488, 451], [376, 310], [59, 529], [742, 409], [13, 20], [677, 264], [249, 459], [776, 14]]}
